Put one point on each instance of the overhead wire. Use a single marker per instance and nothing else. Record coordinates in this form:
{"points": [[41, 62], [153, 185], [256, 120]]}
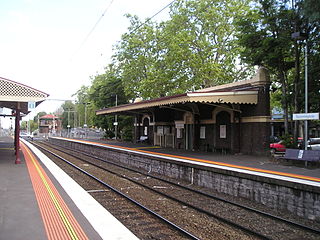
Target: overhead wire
{"points": [[148, 19], [94, 27], [103, 14]]}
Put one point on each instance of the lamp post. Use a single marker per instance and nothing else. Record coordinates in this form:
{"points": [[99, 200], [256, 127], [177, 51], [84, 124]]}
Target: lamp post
{"points": [[116, 120], [303, 36], [85, 118], [68, 126]]}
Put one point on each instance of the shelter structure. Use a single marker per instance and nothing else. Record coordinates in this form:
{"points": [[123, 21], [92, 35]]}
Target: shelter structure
{"points": [[50, 124], [233, 118], [19, 98]]}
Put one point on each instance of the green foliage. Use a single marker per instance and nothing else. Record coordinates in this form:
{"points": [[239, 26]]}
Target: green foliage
{"points": [[126, 128], [195, 48], [265, 33], [109, 134], [199, 46], [265, 37], [311, 9], [39, 115], [68, 116], [23, 125], [32, 125], [287, 141]]}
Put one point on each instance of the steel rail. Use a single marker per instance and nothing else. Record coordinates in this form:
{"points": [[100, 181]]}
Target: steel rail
{"points": [[181, 230], [301, 226], [233, 224]]}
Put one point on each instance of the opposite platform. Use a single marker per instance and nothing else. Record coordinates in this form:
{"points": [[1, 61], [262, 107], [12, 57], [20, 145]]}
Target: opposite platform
{"points": [[255, 165], [249, 177]]}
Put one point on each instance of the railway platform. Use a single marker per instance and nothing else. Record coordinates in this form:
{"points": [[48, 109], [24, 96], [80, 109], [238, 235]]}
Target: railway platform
{"points": [[39, 201], [255, 163], [258, 179]]}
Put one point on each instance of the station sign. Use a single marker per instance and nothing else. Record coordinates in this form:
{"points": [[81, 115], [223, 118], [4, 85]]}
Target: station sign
{"points": [[115, 123], [306, 116], [31, 106]]}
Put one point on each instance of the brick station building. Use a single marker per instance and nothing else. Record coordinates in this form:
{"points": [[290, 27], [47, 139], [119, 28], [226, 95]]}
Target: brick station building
{"points": [[232, 118], [50, 124]]}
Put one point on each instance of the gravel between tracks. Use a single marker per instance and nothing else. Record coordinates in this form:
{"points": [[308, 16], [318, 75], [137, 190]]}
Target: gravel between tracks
{"points": [[205, 227]]}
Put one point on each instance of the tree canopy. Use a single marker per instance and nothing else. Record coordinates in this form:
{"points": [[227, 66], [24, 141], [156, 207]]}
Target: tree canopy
{"points": [[206, 43], [195, 48]]}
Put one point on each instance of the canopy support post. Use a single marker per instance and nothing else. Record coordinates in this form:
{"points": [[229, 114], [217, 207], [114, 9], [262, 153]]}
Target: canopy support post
{"points": [[16, 138]]}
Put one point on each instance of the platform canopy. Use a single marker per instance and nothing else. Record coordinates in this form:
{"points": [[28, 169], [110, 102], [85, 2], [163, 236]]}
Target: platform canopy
{"points": [[241, 92], [240, 97], [15, 95]]}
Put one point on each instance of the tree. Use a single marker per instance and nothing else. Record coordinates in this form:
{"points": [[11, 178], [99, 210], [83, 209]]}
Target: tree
{"points": [[265, 34], [266, 40], [136, 55], [107, 91], [311, 9], [202, 47], [38, 116], [82, 107], [195, 48], [68, 118]]}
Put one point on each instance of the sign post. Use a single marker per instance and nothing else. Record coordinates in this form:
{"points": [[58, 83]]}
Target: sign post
{"points": [[305, 117]]}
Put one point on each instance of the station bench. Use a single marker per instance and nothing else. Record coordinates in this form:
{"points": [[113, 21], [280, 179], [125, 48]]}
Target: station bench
{"points": [[302, 155]]}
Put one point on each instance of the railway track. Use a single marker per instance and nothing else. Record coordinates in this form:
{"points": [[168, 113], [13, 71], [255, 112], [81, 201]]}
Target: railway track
{"points": [[250, 222]]}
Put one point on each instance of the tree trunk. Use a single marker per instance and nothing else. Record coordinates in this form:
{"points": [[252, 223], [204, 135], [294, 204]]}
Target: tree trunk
{"points": [[284, 101]]}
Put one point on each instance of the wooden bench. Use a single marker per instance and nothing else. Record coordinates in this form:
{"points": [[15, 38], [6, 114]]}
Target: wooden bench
{"points": [[302, 155]]}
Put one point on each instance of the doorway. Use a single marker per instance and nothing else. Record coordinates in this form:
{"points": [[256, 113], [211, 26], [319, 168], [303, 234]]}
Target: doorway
{"points": [[223, 132]]}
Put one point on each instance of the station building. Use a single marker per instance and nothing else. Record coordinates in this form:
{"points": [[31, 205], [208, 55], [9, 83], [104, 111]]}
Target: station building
{"points": [[50, 124], [233, 118]]}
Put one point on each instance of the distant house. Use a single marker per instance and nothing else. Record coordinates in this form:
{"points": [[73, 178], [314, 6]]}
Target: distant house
{"points": [[50, 124]]}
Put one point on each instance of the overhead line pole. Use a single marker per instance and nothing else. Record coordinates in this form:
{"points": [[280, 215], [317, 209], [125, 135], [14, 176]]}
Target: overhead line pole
{"points": [[306, 97]]}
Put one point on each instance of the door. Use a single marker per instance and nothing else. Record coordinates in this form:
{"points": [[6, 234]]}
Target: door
{"points": [[189, 137], [223, 131]]}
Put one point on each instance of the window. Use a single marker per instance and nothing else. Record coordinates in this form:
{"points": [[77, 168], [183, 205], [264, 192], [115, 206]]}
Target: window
{"points": [[179, 132], [223, 131], [202, 132]]}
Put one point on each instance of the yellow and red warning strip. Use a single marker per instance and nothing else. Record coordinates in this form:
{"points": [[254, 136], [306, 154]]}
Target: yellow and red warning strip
{"points": [[58, 220], [291, 175]]}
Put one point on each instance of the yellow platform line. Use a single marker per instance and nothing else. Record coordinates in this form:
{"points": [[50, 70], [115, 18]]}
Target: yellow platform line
{"points": [[147, 147], [292, 175], [72, 229]]}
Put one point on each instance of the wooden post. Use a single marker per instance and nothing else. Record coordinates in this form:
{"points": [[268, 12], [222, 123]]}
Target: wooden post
{"points": [[17, 135]]}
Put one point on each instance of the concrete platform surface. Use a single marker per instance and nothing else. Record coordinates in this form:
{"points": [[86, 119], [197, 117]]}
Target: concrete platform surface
{"points": [[19, 213], [22, 215]]}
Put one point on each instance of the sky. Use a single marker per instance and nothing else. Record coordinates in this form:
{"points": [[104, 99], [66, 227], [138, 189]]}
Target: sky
{"points": [[45, 44]]}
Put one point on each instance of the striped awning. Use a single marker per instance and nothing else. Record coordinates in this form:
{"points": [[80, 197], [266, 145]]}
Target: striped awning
{"points": [[235, 97], [241, 92]]}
